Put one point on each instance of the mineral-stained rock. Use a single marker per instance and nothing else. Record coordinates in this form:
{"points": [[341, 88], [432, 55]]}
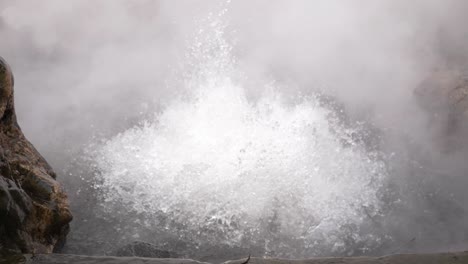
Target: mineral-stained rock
{"points": [[34, 212], [145, 250]]}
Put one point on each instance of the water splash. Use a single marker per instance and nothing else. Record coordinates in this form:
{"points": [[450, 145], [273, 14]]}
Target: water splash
{"points": [[214, 168]]}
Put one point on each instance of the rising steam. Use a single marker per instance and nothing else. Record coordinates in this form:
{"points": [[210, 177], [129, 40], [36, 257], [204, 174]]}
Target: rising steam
{"points": [[285, 128]]}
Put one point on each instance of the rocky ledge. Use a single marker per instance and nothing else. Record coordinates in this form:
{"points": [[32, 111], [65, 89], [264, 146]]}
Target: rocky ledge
{"points": [[34, 211]]}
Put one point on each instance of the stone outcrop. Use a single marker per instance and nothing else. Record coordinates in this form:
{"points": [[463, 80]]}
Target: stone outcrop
{"points": [[34, 211]]}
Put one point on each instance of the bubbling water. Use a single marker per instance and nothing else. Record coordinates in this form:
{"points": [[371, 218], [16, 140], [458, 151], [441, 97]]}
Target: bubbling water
{"points": [[216, 168]]}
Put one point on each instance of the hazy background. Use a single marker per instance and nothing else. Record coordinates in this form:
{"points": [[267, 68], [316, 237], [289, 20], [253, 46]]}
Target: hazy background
{"points": [[86, 69]]}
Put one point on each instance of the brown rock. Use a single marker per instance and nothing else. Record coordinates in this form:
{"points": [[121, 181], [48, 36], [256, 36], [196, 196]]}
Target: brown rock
{"points": [[34, 211]]}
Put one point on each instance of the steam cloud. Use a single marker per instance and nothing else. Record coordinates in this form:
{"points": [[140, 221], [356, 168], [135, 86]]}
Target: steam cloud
{"points": [[88, 70]]}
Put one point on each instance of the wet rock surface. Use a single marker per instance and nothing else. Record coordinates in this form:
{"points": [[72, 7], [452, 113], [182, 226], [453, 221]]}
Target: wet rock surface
{"points": [[59, 258], [441, 258], [34, 212], [142, 249]]}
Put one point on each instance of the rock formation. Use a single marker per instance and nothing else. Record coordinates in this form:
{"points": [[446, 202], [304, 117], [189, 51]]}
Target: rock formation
{"points": [[444, 95], [34, 212]]}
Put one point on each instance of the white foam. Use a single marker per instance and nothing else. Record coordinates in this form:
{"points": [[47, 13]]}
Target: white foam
{"points": [[228, 170]]}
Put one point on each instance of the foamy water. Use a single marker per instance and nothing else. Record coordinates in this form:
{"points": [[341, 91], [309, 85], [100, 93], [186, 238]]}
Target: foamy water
{"points": [[223, 169]]}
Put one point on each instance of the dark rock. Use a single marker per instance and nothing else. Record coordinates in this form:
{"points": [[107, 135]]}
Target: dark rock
{"points": [[145, 250], [34, 212]]}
